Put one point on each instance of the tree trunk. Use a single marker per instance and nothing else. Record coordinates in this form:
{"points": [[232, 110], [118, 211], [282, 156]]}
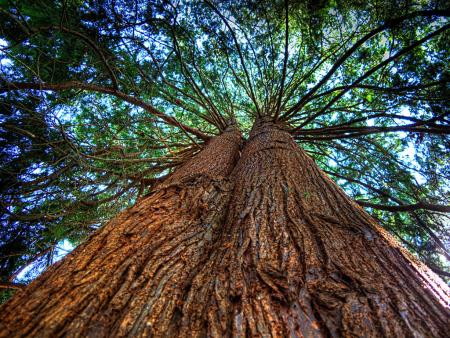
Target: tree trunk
{"points": [[128, 278], [293, 256], [298, 258]]}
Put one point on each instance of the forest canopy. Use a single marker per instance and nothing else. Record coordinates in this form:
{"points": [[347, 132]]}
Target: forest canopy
{"points": [[100, 100]]}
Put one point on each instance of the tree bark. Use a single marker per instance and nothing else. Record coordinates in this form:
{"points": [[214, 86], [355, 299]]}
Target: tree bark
{"points": [[284, 253], [128, 278], [298, 258]]}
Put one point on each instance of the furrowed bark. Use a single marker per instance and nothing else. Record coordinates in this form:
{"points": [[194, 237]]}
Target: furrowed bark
{"points": [[130, 277], [292, 256], [298, 258]]}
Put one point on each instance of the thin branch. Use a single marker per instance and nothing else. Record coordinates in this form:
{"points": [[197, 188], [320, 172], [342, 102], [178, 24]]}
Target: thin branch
{"points": [[94, 46], [286, 57], [373, 70], [111, 91], [366, 185], [382, 89], [421, 223], [389, 24], [241, 57], [16, 286], [406, 207], [438, 271], [353, 132], [28, 262]]}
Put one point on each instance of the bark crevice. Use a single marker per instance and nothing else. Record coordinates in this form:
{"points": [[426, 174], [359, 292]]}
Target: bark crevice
{"points": [[261, 245]]}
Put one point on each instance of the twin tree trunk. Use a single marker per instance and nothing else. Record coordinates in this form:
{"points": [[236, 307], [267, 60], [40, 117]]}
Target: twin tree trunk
{"points": [[263, 244]]}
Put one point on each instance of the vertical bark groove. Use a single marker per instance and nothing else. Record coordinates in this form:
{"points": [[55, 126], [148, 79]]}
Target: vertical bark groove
{"points": [[130, 277], [276, 250], [298, 258]]}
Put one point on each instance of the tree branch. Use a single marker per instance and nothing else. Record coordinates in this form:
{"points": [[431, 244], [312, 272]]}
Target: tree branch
{"points": [[438, 271], [105, 90], [16, 286], [351, 132], [286, 57], [241, 57], [94, 46], [389, 24], [421, 223], [406, 207], [374, 69], [382, 89]]}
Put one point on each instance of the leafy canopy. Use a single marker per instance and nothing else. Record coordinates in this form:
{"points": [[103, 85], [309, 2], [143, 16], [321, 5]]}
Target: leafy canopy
{"points": [[101, 99]]}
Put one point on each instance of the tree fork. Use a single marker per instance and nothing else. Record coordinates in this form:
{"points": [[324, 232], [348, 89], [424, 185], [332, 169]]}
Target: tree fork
{"points": [[294, 256], [128, 278], [297, 257]]}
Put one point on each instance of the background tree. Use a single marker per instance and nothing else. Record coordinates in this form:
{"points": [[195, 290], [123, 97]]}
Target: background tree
{"points": [[102, 99]]}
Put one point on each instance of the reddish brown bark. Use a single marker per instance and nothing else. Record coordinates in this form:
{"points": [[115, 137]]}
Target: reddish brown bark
{"points": [[128, 278], [291, 256], [298, 258]]}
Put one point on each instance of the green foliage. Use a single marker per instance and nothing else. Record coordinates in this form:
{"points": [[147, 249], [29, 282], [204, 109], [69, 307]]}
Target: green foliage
{"points": [[101, 98]]}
